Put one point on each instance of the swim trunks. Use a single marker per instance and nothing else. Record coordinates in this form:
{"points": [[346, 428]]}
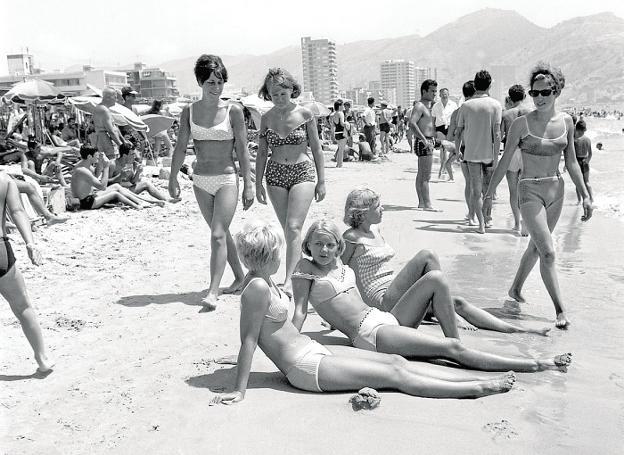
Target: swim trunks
{"points": [[420, 147], [86, 203], [583, 164], [384, 127], [442, 129]]}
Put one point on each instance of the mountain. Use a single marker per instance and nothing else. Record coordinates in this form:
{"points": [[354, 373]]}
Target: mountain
{"points": [[590, 51]]}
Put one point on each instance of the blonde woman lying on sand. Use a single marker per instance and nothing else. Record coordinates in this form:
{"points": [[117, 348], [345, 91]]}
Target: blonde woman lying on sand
{"points": [[330, 287], [420, 281], [313, 367]]}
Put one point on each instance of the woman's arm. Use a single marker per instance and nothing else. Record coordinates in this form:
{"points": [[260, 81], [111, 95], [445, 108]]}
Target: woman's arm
{"points": [[317, 153], [574, 170], [513, 139], [350, 240], [179, 153], [301, 295], [240, 147], [261, 159]]}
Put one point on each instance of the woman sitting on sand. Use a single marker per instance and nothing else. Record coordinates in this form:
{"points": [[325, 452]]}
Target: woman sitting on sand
{"points": [[542, 135], [288, 129], [313, 367], [331, 288], [368, 254], [218, 129]]}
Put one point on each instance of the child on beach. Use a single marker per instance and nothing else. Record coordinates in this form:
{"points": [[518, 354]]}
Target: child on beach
{"points": [[12, 286], [330, 286], [313, 367]]}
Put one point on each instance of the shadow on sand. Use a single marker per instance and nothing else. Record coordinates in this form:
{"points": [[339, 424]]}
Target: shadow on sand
{"points": [[222, 379], [187, 298]]}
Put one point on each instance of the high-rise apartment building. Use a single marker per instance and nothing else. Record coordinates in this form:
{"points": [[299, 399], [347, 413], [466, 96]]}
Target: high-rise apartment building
{"points": [[400, 76], [320, 69], [422, 74]]}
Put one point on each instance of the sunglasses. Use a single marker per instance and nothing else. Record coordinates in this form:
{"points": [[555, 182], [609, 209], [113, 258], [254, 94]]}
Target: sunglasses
{"points": [[546, 92]]}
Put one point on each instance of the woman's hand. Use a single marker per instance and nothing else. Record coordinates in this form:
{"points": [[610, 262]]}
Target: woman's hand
{"points": [[174, 188], [587, 209], [248, 197], [34, 254], [261, 194], [227, 398], [319, 192]]}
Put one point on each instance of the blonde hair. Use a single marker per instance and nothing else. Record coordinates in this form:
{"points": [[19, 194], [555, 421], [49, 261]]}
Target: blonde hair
{"points": [[323, 227], [359, 201], [258, 244]]}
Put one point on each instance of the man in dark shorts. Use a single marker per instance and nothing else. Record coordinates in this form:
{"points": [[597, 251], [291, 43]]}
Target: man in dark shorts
{"points": [[582, 147], [421, 125], [369, 124]]}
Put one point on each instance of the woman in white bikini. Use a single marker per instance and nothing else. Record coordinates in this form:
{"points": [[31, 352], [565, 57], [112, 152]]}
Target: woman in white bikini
{"points": [[330, 286], [218, 129], [288, 130], [542, 136], [313, 367]]}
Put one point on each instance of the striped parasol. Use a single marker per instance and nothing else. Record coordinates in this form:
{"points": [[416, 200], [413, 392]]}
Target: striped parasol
{"points": [[122, 116]]}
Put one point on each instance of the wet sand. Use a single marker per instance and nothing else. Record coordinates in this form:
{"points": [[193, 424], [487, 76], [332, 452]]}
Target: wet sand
{"points": [[117, 298]]}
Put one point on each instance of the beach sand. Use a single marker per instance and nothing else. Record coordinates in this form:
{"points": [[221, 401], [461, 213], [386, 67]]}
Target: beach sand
{"points": [[117, 299]]}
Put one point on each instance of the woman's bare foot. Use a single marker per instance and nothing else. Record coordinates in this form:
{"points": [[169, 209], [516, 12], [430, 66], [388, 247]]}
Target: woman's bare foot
{"points": [[465, 325], [558, 362], [543, 332], [210, 301], [56, 219], [499, 385], [562, 321], [236, 286], [45, 364], [174, 200], [516, 295]]}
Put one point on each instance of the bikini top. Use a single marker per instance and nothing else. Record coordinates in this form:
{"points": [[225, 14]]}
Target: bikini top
{"points": [[221, 132], [325, 288], [296, 137], [542, 146], [278, 307], [372, 264]]}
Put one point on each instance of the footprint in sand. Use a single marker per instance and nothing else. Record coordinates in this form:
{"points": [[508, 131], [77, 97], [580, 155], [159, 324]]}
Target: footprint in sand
{"points": [[500, 430], [617, 380]]}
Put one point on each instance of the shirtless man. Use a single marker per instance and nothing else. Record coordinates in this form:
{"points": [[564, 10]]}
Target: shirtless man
{"points": [[421, 125], [12, 286], [106, 134], [33, 160], [84, 181]]}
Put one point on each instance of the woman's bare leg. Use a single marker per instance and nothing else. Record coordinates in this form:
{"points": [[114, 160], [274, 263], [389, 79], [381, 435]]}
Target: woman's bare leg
{"points": [[512, 184], [408, 342], [13, 289], [424, 261], [105, 197]]}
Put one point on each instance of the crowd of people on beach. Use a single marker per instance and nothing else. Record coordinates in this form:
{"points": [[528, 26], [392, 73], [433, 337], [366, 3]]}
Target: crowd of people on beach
{"points": [[346, 276]]}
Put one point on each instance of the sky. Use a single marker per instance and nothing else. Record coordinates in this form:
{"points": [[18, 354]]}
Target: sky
{"points": [[119, 32]]}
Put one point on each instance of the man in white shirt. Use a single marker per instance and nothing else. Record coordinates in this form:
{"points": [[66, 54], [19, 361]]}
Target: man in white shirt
{"points": [[441, 113], [369, 124]]}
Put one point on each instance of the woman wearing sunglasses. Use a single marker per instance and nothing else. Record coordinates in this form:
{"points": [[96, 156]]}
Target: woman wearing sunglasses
{"points": [[542, 135]]}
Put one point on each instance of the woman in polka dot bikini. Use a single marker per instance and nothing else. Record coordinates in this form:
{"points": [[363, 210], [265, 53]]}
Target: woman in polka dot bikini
{"points": [[288, 130]]}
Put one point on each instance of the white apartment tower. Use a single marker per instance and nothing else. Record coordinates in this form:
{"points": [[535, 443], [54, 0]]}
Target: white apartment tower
{"points": [[320, 69], [399, 75]]}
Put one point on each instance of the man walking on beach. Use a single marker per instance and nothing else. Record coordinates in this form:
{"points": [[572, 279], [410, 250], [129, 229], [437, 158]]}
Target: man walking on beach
{"points": [[421, 125], [479, 120], [106, 134], [369, 125]]}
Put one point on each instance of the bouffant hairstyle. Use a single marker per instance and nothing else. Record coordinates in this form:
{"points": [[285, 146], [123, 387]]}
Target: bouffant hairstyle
{"points": [[206, 65], [482, 80], [258, 244], [359, 201], [281, 78], [542, 71], [323, 227], [516, 93], [337, 104]]}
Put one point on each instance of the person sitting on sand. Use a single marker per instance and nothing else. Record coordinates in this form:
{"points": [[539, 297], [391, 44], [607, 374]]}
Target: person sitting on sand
{"points": [[69, 133], [42, 163], [12, 286], [313, 367], [84, 182], [331, 288], [368, 254], [127, 171]]}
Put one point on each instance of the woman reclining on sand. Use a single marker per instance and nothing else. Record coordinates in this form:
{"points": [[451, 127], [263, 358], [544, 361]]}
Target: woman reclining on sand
{"points": [[331, 288], [368, 254], [313, 367]]}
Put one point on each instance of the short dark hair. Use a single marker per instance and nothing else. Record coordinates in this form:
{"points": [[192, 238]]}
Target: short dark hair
{"points": [[468, 89], [424, 87], [482, 80], [580, 125], [32, 143], [516, 93], [543, 70], [281, 78], [337, 104], [207, 64], [125, 148], [370, 100], [87, 150]]}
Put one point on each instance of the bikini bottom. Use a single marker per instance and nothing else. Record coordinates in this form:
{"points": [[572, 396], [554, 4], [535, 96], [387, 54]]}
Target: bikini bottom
{"points": [[543, 190], [213, 183], [288, 175], [7, 259]]}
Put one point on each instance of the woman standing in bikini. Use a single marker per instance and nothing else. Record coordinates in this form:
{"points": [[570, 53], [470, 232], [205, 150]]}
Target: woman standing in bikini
{"points": [[339, 131], [288, 129], [218, 129], [542, 135]]}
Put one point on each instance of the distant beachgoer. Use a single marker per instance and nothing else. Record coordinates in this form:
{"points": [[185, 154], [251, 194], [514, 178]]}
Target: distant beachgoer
{"points": [[583, 149], [542, 136], [330, 286], [515, 110], [368, 254], [409, 135], [599, 146], [339, 131], [218, 129], [106, 134], [12, 286], [370, 122], [161, 138], [42, 163], [384, 128], [441, 113], [70, 133], [312, 367], [288, 129], [421, 124], [350, 125]]}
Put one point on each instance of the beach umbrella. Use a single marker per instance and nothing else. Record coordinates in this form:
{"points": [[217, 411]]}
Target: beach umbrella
{"points": [[122, 116], [157, 123], [317, 108], [257, 103], [34, 90]]}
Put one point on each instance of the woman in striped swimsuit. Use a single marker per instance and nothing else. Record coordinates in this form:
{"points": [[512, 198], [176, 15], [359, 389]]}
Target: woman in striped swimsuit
{"points": [[368, 254]]}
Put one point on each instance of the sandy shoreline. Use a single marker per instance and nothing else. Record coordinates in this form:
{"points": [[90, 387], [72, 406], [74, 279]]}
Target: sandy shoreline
{"points": [[117, 299]]}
